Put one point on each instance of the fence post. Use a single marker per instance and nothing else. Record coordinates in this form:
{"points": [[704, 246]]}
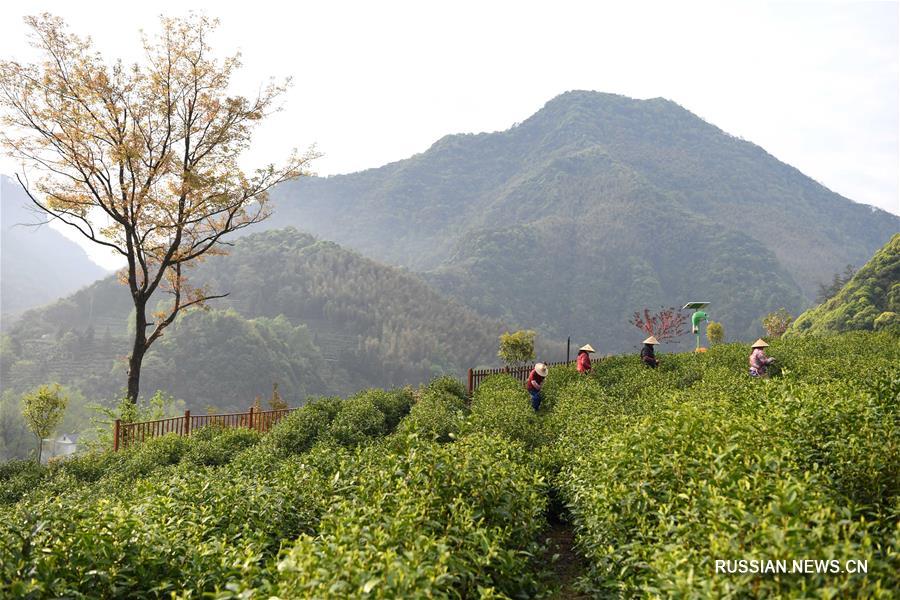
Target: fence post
{"points": [[187, 423], [471, 381], [116, 427], [251, 418]]}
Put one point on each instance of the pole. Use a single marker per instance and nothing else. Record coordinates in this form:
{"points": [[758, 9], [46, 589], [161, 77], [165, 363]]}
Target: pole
{"points": [[116, 427], [568, 348], [187, 423], [251, 417], [471, 379]]}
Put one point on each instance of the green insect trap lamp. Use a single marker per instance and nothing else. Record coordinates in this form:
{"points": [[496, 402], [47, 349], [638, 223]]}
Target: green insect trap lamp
{"points": [[698, 317]]}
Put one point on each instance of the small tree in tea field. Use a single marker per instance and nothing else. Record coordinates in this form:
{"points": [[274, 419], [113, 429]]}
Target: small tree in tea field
{"points": [[715, 333], [276, 402], [666, 324], [43, 410], [141, 159], [517, 347], [777, 322]]}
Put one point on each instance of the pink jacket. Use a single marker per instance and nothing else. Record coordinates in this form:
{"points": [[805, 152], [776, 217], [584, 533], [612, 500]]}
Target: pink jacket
{"points": [[759, 360], [584, 362]]}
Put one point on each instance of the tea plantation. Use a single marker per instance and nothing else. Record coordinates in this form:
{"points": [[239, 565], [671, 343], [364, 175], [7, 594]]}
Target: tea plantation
{"points": [[425, 493]]}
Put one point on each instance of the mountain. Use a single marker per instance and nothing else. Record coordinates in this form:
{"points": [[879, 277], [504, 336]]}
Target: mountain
{"points": [[304, 313], [870, 300], [38, 264], [596, 206]]}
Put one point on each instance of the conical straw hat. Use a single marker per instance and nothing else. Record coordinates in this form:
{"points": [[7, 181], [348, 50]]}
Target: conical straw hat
{"points": [[760, 343], [587, 348], [541, 369], [651, 340]]}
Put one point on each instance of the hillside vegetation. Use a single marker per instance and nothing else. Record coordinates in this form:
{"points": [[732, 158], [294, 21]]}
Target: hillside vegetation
{"points": [[428, 494], [870, 300], [39, 264], [610, 203], [301, 312]]}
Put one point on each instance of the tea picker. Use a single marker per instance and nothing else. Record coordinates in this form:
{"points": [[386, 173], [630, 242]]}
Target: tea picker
{"points": [[698, 317]]}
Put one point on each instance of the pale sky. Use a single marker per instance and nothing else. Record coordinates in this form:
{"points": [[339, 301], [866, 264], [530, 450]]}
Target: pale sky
{"points": [[813, 83]]}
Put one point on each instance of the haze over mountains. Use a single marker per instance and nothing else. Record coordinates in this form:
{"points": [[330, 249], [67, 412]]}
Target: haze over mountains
{"points": [[38, 264], [594, 207], [304, 313]]}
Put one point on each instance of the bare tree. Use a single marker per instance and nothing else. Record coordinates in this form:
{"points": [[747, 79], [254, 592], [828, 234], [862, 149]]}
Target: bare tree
{"points": [[142, 159]]}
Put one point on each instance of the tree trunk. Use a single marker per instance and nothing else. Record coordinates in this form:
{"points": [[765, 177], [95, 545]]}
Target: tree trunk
{"points": [[137, 352], [40, 448]]}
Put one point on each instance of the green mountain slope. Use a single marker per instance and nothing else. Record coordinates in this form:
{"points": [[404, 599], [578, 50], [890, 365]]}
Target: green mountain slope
{"points": [[38, 264], [304, 313], [647, 194], [870, 300]]}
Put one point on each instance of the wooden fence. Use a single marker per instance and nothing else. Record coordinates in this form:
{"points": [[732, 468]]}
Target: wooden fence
{"points": [[128, 434], [477, 376]]}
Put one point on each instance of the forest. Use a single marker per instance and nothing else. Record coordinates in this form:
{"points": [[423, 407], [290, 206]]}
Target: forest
{"points": [[604, 200], [301, 312]]}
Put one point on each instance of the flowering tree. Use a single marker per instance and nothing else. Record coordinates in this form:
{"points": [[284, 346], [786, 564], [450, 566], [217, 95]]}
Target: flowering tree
{"points": [[777, 322], [666, 324], [143, 159]]}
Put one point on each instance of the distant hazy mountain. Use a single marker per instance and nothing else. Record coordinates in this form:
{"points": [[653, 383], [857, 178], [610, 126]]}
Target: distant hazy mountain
{"points": [[37, 264], [870, 300], [303, 313], [596, 206]]}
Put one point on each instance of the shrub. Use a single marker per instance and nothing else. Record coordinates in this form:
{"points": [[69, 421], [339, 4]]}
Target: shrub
{"points": [[656, 503], [715, 333], [394, 405], [501, 406], [448, 385], [436, 416], [298, 431], [216, 446], [17, 477], [453, 520], [357, 421]]}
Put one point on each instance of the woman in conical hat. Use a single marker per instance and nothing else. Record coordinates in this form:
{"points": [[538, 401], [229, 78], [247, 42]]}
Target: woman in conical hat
{"points": [[647, 353], [583, 362], [758, 359]]}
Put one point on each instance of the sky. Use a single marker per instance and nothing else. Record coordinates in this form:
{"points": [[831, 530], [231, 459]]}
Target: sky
{"points": [[816, 84]]}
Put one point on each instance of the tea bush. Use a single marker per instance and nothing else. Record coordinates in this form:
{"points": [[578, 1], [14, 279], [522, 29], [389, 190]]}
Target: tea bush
{"points": [[215, 446], [394, 405], [298, 431], [358, 420], [417, 494], [446, 384], [424, 520], [438, 415], [18, 477], [502, 406], [665, 471]]}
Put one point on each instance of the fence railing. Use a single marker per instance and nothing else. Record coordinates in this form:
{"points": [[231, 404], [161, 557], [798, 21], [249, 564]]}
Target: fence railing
{"points": [[128, 434], [477, 376]]}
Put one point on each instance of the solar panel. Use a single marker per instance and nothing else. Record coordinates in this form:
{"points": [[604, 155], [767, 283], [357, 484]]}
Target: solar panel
{"points": [[694, 305]]}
